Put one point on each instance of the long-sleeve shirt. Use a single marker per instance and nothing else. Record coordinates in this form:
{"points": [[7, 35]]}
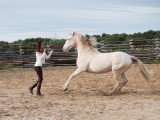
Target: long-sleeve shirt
{"points": [[40, 58]]}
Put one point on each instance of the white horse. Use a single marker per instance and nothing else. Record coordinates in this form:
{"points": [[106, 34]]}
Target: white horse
{"points": [[91, 60]]}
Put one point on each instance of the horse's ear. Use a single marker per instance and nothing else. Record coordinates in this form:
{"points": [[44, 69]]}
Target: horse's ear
{"points": [[74, 33]]}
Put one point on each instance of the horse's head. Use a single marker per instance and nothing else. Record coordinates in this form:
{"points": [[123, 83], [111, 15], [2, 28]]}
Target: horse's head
{"points": [[70, 43]]}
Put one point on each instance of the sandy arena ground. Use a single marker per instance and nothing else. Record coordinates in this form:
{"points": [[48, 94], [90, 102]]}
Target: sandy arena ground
{"points": [[138, 100]]}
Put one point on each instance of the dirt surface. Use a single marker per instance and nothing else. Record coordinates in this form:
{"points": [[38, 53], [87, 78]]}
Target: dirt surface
{"points": [[138, 99]]}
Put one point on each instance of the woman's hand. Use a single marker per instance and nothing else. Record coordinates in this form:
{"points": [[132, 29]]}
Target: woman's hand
{"points": [[44, 50], [52, 50], [158, 49], [158, 57]]}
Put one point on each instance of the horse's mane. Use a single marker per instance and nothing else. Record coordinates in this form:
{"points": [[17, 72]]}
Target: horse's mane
{"points": [[92, 41]]}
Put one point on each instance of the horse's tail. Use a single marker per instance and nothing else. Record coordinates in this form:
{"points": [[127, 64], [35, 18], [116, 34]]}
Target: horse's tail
{"points": [[147, 74]]}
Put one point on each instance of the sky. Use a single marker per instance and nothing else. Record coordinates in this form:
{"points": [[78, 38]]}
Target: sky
{"points": [[21, 19]]}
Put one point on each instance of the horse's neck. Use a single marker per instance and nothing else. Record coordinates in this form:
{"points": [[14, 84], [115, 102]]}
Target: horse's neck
{"points": [[80, 50], [84, 51]]}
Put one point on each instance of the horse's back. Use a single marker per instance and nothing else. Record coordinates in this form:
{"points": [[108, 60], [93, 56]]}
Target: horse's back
{"points": [[104, 62], [121, 57]]}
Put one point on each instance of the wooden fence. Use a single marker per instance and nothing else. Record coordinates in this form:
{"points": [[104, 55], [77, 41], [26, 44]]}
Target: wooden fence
{"points": [[143, 49], [23, 55]]}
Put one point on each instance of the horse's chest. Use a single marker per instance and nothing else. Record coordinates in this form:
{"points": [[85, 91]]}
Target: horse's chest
{"points": [[82, 60]]}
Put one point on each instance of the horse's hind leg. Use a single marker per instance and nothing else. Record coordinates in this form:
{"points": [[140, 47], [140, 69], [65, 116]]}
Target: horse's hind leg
{"points": [[120, 81], [124, 79]]}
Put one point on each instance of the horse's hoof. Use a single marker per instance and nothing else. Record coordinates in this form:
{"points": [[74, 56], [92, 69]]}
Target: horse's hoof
{"points": [[65, 89], [106, 94], [109, 94]]}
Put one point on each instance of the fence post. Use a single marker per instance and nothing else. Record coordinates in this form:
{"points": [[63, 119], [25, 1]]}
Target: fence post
{"points": [[131, 46], [102, 46], [21, 52], [157, 46], [157, 43], [49, 49], [75, 50]]}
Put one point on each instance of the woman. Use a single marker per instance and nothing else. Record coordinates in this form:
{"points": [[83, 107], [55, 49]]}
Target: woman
{"points": [[40, 60]]}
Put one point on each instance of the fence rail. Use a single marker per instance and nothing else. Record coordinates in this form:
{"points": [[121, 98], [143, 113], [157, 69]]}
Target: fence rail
{"points": [[23, 55]]}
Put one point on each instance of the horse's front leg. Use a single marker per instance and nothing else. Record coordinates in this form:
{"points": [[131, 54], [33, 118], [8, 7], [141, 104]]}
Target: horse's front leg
{"points": [[70, 78]]}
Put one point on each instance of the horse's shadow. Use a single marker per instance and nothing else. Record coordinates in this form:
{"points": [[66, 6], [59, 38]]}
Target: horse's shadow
{"points": [[104, 93], [151, 92]]}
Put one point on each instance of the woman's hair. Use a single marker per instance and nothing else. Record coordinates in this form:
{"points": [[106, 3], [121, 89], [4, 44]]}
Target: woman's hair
{"points": [[38, 47]]}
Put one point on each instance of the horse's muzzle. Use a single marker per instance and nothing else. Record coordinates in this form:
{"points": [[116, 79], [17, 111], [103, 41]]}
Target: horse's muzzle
{"points": [[64, 50]]}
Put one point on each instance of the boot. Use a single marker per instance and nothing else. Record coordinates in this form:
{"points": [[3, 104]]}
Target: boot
{"points": [[32, 87], [39, 89]]}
